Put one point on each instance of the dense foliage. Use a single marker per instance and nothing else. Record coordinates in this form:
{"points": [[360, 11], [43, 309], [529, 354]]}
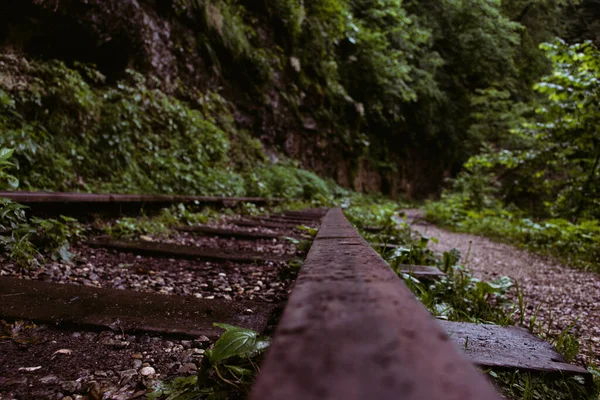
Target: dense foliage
{"points": [[398, 78], [71, 133], [546, 166], [389, 82], [27, 241]]}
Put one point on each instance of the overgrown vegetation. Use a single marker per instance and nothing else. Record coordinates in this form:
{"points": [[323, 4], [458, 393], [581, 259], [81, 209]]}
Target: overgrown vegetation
{"points": [[71, 133], [537, 186], [23, 239], [524, 385]]}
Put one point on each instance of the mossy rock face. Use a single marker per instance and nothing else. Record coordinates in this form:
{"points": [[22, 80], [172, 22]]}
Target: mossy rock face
{"points": [[113, 34]]}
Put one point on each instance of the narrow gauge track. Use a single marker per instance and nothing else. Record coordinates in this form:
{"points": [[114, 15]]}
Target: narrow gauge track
{"points": [[351, 328]]}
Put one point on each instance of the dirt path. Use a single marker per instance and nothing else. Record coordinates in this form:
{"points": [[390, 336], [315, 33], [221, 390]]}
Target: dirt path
{"points": [[566, 294]]}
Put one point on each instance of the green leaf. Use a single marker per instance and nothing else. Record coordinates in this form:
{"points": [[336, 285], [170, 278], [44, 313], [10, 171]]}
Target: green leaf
{"points": [[307, 229], [239, 371], [291, 239], [64, 253], [13, 182], [6, 154], [236, 342]]}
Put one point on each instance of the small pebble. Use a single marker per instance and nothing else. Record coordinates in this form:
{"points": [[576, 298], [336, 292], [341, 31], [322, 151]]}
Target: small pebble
{"points": [[147, 371], [127, 374], [187, 368], [49, 379], [70, 386]]}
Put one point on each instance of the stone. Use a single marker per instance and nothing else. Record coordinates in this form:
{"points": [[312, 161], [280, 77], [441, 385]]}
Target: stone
{"points": [[187, 368], [177, 347], [49, 379], [201, 343], [127, 374], [30, 369], [147, 371], [70, 386]]}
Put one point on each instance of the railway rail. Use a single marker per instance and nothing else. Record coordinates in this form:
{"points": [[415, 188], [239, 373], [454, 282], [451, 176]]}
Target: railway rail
{"points": [[350, 328], [78, 204]]}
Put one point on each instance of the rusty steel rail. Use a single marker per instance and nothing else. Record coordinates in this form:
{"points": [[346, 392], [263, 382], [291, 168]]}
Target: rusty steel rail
{"points": [[87, 198], [353, 330], [80, 204]]}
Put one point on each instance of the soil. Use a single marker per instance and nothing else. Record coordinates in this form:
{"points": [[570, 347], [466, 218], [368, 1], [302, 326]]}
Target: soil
{"points": [[563, 295], [90, 365]]}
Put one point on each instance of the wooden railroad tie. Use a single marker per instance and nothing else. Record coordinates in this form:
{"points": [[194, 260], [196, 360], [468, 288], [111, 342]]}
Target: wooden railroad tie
{"points": [[84, 307], [188, 252], [234, 233]]}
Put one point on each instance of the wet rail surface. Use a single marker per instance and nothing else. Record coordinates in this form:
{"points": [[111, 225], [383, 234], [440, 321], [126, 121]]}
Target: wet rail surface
{"points": [[353, 330], [78, 204]]}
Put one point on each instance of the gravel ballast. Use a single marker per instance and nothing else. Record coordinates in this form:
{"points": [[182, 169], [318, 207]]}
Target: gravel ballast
{"points": [[563, 295]]}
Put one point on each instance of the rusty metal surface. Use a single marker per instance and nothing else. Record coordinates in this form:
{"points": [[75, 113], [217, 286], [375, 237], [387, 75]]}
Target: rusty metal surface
{"points": [[353, 330], [106, 309], [49, 197], [507, 347]]}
